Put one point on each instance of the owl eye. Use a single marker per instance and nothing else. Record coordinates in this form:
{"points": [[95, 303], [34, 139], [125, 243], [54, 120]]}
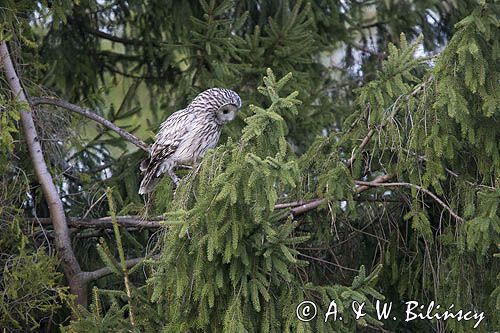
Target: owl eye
{"points": [[225, 111]]}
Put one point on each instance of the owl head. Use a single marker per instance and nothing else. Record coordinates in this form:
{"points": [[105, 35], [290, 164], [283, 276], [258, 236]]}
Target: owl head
{"points": [[222, 103]]}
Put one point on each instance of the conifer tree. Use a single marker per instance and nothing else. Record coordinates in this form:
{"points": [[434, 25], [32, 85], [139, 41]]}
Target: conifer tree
{"points": [[362, 167]]}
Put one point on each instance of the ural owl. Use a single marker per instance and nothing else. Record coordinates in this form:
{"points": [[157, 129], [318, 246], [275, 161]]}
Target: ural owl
{"points": [[187, 134]]}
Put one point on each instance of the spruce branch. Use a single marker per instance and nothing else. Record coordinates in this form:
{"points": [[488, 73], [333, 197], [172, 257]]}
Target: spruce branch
{"points": [[91, 115], [121, 253], [393, 110], [449, 171], [300, 207]]}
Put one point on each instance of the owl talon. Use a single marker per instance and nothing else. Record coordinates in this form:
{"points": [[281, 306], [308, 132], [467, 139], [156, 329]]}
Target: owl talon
{"points": [[174, 177]]}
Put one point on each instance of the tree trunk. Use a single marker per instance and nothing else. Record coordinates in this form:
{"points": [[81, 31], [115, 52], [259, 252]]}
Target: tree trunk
{"points": [[70, 264]]}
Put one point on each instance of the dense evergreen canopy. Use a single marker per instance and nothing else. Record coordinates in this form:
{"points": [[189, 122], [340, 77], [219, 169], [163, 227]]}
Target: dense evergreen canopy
{"points": [[363, 166]]}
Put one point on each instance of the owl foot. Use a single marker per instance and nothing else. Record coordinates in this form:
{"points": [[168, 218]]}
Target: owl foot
{"points": [[174, 178]]}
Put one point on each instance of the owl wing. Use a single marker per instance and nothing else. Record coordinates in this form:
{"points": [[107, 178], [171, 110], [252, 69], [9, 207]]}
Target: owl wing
{"points": [[172, 132]]}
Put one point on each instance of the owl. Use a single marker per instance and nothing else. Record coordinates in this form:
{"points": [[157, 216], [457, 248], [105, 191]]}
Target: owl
{"points": [[186, 134]]}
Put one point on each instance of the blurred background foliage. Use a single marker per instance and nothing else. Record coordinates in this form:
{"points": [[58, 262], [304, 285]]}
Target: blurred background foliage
{"points": [[432, 103]]}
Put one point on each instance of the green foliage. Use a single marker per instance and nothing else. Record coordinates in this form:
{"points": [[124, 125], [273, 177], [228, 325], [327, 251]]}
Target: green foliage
{"points": [[484, 230], [468, 89], [30, 285], [230, 265], [495, 295], [30, 290], [115, 309], [94, 321], [354, 88], [8, 116]]}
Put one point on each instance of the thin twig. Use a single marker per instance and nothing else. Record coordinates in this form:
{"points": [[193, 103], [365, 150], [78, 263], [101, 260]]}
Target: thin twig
{"points": [[381, 55], [361, 146], [420, 188], [113, 38], [328, 262]]}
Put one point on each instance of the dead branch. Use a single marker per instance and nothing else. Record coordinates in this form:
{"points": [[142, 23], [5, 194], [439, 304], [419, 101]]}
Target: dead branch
{"points": [[318, 202], [129, 221], [292, 204], [358, 199], [361, 147], [306, 207], [113, 38], [91, 115], [379, 55], [102, 272], [70, 264]]}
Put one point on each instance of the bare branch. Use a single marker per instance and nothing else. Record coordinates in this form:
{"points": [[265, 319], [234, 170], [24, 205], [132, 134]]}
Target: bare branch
{"points": [[420, 188], [381, 55], [361, 147], [378, 180], [307, 207], [62, 238], [292, 204], [116, 39], [102, 272], [318, 202], [129, 221], [91, 115], [112, 38], [134, 221], [358, 199]]}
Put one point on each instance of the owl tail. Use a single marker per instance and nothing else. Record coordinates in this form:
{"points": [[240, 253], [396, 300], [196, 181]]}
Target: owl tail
{"points": [[150, 178]]}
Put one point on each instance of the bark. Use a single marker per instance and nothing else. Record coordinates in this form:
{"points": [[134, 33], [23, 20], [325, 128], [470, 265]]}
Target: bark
{"points": [[105, 222], [318, 202], [102, 272], [69, 262]]}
